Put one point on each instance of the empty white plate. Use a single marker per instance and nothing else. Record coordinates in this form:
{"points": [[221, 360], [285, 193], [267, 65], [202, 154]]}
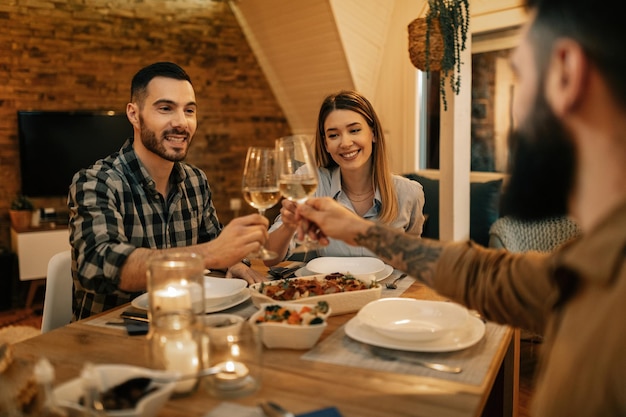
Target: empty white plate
{"points": [[304, 272], [220, 290], [220, 294], [413, 320], [242, 296], [360, 265], [461, 338]]}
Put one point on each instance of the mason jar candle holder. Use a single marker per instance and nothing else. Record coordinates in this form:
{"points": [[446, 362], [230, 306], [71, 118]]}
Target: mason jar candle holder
{"points": [[175, 282], [234, 346], [178, 345]]}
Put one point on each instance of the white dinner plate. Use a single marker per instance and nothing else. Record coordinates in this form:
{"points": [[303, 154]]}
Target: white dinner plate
{"points": [[356, 265], [141, 302], [303, 272], [456, 340], [235, 301], [413, 320]]}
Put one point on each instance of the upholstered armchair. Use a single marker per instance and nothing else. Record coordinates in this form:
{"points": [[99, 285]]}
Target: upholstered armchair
{"points": [[522, 236]]}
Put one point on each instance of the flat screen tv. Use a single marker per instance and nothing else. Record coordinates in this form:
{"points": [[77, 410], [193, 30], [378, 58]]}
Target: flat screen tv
{"points": [[54, 145]]}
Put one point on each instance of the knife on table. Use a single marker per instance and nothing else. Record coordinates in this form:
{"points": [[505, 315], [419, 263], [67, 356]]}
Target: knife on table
{"points": [[136, 315]]}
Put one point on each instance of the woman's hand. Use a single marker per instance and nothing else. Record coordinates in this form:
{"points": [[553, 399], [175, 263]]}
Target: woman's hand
{"points": [[288, 214], [323, 217], [239, 270]]}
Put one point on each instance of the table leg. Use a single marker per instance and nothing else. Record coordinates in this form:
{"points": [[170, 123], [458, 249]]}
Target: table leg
{"points": [[504, 397]]}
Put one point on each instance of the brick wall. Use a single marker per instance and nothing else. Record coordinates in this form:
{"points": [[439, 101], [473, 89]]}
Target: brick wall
{"points": [[81, 54]]}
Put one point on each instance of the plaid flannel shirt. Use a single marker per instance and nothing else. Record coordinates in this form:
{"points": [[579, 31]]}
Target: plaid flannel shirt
{"points": [[115, 208]]}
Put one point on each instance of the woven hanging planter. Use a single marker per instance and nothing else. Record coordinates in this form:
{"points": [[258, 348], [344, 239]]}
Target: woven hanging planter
{"points": [[417, 44]]}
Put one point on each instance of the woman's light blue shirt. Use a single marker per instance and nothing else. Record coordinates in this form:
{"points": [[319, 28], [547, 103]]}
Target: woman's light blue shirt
{"points": [[410, 217]]}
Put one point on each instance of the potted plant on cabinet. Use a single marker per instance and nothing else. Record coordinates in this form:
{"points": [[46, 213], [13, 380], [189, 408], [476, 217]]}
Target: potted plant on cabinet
{"points": [[437, 40], [21, 212]]}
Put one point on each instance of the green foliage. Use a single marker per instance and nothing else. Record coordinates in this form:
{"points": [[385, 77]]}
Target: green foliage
{"points": [[453, 18], [21, 202]]}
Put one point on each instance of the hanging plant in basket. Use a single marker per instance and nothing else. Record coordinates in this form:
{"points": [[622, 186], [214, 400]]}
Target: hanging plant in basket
{"points": [[437, 40]]}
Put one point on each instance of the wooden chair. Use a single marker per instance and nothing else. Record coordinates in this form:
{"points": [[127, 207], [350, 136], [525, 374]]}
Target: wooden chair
{"points": [[57, 305]]}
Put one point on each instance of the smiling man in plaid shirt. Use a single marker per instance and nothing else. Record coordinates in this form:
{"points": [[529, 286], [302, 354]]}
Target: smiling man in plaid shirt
{"points": [[144, 200]]}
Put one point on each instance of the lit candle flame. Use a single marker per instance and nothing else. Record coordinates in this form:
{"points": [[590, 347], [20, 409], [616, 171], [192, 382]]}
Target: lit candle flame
{"points": [[229, 366]]}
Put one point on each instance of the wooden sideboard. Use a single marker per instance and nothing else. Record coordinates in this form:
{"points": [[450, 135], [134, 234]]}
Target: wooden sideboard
{"points": [[34, 247]]}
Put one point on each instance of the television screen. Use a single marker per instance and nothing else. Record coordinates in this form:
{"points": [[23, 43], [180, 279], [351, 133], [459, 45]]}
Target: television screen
{"points": [[54, 145]]}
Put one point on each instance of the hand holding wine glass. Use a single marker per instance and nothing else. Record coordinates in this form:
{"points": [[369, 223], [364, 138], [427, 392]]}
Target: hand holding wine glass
{"points": [[298, 176], [260, 186]]}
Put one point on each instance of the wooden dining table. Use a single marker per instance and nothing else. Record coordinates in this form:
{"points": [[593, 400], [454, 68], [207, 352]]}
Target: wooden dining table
{"points": [[297, 384]]}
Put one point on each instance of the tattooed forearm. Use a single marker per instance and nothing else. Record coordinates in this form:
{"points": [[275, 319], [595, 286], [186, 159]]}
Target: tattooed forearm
{"points": [[408, 253]]}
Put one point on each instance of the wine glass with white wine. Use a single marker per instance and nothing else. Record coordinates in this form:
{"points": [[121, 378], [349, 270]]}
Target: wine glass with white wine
{"points": [[260, 186], [297, 178]]}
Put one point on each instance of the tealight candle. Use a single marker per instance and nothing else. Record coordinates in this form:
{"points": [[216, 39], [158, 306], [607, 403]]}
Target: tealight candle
{"points": [[171, 298], [181, 355], [235, 351], [233, 375], [171, 273], [177, 345]]}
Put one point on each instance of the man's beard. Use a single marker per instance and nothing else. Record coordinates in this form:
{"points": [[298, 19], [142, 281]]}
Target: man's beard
{"points": [[542, 167], [150, 141]]}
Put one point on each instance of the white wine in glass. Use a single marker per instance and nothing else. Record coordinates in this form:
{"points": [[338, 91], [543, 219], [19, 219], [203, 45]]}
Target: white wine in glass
{"points": [[297, 190], [260, 186], [297, 178]]}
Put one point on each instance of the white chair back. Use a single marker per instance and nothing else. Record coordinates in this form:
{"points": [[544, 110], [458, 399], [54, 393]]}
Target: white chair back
{"points": [[57, 306]]}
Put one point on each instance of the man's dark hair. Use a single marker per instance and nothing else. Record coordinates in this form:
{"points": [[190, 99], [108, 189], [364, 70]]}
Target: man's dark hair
{"points": [[599, 31], [139, 84]]}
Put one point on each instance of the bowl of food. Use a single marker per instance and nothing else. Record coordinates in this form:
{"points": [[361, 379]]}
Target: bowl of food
{"points": [[413, 320], [344, 293], [291, 325], [125, 391]]}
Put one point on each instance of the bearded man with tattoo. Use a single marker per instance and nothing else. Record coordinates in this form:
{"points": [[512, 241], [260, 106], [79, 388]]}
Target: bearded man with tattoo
{"points": [[569, 159]]}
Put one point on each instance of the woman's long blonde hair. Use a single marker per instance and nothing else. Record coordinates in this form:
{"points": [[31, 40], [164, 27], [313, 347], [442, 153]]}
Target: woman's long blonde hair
{"points": [[381, 175]]}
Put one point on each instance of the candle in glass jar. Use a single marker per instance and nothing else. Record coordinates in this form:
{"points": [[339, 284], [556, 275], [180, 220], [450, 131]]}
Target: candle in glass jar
{"points": [[232, 376], [182, 356], [171, 298], [196, 292]]}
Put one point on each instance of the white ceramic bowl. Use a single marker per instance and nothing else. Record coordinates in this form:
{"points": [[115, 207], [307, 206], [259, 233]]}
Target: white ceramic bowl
{"points": [[222, 325], [288, 336], [340, 303], [350, 264], [221, 290], [69, 393], [413, 320]]}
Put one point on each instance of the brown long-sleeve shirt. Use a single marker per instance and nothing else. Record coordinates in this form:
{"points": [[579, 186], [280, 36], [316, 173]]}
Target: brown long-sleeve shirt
{"points": [[575, 297]]}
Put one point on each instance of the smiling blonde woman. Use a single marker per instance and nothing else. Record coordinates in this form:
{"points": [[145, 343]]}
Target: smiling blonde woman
{"points": [[351, 156]]}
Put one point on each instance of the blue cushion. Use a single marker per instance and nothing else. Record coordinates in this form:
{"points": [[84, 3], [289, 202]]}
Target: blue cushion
{"points": [[484, 207]]}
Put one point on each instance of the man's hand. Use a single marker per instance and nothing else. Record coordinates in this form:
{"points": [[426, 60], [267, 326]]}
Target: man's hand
{"points": [[242, 236], [327, 218], [239, 270]]}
